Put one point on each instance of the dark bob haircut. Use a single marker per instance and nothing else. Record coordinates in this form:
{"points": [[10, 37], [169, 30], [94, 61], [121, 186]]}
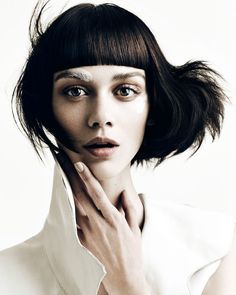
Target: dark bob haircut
{"points": [[185, 101]]}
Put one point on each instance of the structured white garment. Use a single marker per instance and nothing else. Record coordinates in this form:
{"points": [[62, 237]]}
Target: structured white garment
{"points": [[182, 248]]}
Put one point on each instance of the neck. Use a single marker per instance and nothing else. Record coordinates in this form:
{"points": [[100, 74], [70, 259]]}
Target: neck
{"points": [[114, 186]]}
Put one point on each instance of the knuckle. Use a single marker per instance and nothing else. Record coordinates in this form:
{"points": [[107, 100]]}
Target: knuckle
{"points": [[86, 177], [98, 193], [77, 196], [113, 224], [115, 220], [132, 211], [99, 205], [130, 206]]}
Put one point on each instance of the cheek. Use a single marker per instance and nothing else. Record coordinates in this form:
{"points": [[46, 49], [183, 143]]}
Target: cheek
{"points": [[139, 114], [136, 120], [68, 118], [141, 107]]}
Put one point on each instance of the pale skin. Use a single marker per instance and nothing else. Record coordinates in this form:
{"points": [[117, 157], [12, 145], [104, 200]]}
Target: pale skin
{"points": [[109, 212], [109, 219], [112, 235]]}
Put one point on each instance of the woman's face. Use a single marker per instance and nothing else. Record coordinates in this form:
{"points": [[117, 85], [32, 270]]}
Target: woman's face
{"points": [[102, 101]]}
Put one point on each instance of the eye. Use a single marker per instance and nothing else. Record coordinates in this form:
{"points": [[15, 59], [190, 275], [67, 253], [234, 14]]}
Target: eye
{"points": [[126, 91], [74, 91]]}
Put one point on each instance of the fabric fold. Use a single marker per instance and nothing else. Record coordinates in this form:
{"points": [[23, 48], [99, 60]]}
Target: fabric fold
{"points": [[182, 248], [71, 262]]}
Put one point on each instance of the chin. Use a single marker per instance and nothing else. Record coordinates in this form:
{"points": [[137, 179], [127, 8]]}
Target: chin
{"points": [[102, 169], [105, 170]]}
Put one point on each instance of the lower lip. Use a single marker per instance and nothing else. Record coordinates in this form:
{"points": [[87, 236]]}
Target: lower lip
{"points": [[102, 152]]}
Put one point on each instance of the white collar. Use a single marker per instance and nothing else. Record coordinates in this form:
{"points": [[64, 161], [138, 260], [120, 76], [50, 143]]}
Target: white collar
{"points": [[72, 263], [173, 236]]}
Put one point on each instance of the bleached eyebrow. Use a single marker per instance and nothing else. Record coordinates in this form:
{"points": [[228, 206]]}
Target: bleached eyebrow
{"points": [[72, 75], [85, 77]]}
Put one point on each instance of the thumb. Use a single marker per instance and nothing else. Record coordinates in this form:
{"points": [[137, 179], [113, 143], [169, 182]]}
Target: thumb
{"points": [[130, 212]]}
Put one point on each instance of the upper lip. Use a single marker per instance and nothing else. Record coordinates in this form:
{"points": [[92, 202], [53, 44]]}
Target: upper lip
{"points": [[101, 140]]}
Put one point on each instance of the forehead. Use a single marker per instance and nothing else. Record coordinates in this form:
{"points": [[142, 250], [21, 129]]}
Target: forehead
{"points": [[110, 72]]}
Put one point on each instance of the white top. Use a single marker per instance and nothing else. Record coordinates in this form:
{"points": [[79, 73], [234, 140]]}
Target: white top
{"points": [[182, 248]]}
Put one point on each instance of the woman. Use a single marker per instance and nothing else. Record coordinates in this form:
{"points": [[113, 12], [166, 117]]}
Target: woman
{"points": [[97, 90]]}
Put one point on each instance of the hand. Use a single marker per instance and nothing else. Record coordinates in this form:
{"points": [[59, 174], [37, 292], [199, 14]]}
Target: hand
{"points": [[113, 238]]}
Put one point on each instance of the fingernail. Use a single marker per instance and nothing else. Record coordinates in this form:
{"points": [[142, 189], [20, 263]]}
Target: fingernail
{"points": [[79, 167]]}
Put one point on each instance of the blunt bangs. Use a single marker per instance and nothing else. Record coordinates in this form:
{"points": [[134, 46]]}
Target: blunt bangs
{"points": [[110, 36], [185, 100]]}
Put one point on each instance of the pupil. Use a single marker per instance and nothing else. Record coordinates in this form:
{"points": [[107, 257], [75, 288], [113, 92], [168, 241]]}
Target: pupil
{"points": [[125, 91], [75, 91]]}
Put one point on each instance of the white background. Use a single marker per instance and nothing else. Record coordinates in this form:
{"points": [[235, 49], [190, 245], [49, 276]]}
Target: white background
{"points": [[185, 29]]}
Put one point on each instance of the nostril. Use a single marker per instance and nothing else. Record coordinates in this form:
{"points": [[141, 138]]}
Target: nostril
{"points": [[97, 124]]}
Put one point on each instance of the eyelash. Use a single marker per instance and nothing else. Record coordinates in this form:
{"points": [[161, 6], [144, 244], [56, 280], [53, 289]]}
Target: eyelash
{"points": [[67, 89], [134, 89]]}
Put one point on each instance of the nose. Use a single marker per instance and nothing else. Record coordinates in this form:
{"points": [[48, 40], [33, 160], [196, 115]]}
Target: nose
{"points": [[100, 114]]}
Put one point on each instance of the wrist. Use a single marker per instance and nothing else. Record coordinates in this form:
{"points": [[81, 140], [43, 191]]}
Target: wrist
{"points": [[140, 289], [130, 284]]}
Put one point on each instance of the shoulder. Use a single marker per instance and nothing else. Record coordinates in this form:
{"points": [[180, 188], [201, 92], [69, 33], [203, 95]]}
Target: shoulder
{"points": [[188, 217], [207, 237], [23, 268], [223, 281], [185, 212], [21, 255], [206, 233]]}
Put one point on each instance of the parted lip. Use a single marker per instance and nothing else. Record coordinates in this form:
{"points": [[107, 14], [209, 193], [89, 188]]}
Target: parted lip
{"points": [[101, 140]]}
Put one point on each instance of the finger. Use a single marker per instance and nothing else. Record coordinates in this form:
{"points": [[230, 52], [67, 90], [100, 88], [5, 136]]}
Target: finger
{"points": [[80, 208], [69, 170], [130, 212], [96, 193], [76, 184], [82, 220]]}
